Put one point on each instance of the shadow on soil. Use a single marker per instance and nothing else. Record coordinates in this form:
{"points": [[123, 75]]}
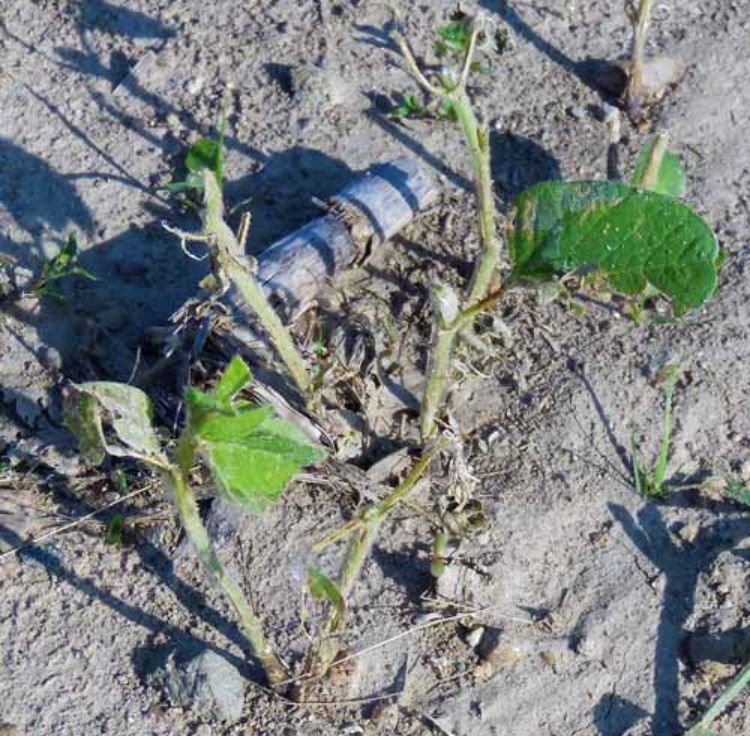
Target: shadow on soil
{"points": [[146, 659], [681, 565]]}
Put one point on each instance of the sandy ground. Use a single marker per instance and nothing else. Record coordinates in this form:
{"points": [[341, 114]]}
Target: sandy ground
{"points": [[606, 604]]}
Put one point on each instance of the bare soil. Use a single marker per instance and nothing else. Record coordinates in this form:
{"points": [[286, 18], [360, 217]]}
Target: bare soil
{"points": [[614, 615]]}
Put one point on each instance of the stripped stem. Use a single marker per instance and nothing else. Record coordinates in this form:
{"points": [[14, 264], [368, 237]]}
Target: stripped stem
{"points": [[369, 524], [226, 255]]}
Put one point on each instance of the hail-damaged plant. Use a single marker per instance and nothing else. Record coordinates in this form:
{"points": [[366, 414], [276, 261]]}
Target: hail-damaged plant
{"points": [[648, 484], [639, 15], [229, 262], [363, 530], [637, 237], [251, 454]]}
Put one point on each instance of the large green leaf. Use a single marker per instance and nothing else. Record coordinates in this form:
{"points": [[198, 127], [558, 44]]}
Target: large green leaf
{"points": [[125, 409], [251, 453], [634, 238], [670, 178]]}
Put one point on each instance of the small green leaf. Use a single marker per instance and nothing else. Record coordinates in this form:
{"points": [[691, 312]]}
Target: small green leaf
{"points": [[701, 732], [114, 531], [251, 453], [737, 491], [323, 588], [634, 238], [670, 179], [236, 376], [205, 153], [454, 37], [126, 409]]}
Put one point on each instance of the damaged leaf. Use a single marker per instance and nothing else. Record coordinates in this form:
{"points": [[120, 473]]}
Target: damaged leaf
{"points": [[633, 238]]}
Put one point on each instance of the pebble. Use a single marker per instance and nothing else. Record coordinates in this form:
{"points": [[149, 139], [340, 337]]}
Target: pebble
{"points": [[210, 685], [576, 112], [195, 85], [474, 637]]}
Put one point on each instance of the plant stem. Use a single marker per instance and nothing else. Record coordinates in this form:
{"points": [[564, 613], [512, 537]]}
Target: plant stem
{"points": [[177, 478], [640, 20], [359, 550], [446, 316], [651, 173], [735, 687], [477, 141], [226, 257]]}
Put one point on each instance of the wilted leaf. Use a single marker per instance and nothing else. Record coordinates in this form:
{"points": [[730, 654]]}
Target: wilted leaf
{"points": [[670, 179], [81, 417], [126, 409], [633, 238]]}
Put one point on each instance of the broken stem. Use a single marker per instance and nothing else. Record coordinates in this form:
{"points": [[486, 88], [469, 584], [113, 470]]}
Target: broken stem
{"points": [[184, 499], [640, 19], [227, 253], [445, 310]]}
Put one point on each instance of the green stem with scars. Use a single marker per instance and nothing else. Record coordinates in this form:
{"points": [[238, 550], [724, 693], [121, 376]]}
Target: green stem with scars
{"points": [[177, 478], [365, 533], [226, 255], [487, 265], [738, 684]]}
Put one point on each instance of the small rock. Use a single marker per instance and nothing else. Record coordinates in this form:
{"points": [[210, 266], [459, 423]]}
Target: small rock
{"points": [[195, 85], [474, 637], [593, 637], [208, 684], [688, 533], [576, 112], [459, 583], [745, 471], [500, 651]]}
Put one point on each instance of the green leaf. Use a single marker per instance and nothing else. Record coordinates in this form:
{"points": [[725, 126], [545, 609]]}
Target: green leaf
{"points": [[251, 453], [114, 531], [454, 37], [737, 491], [701, 732], [236, 376], [670, 179], [205, 153], [126, 409], [633, 238], [323, 588]]}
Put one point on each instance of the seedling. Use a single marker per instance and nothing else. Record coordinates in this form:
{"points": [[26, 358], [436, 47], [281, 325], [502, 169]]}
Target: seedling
{"points": [[650, 485], [639, 17], [251, 454], [54, 270]]}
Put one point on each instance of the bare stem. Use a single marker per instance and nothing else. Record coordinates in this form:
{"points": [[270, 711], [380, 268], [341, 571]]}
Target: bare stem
{"points": [[227, 253], [640, 19], [359, 550], [187, 507]]}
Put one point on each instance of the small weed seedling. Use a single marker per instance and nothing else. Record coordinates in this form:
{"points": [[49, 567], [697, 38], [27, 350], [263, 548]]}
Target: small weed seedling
{"points": [[47, 283], [251, 454], [650, 485]]}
